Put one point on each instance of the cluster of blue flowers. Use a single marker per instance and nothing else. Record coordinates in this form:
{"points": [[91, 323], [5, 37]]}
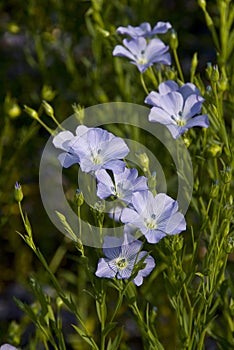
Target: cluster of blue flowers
{"points": [[101, 154], [177, 107]]}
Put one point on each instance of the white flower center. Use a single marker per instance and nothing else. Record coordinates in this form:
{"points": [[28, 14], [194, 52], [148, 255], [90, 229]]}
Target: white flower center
{"points": [[121, 263], [151, 223], [96, 157], [178, 119]]}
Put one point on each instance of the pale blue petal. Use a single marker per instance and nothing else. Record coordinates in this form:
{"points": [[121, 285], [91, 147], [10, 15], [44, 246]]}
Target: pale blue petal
{"points": [[105, 186], [174, 224], [188, 89], [104, 270], [192, 106], [161, 28], [200, 120], [159, 115], [81, 130], [121, 51], [154, 236], [172, 103], [150, 265], [62, 139], [167, 86], [116, 148], [153, 99], [116, 166], [67, 159]]}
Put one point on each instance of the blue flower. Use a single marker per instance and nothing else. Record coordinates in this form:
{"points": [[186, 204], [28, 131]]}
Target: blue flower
{"points": [[63, 141], [92, 148], [178, 108], [144, 29], [7, 347], [143, 54], [124, 185], [156, 216], [122, 255]]}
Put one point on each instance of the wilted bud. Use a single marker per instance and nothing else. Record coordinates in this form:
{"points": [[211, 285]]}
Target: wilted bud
{"points": [[79, 198], [214, 189], [79, 112], [48, 109], [31, 112], [144, 160], [214, 150], [11, 107], [18, 192], [48, 93], [173, 40]]}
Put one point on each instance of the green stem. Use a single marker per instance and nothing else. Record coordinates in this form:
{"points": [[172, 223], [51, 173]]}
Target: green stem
{"points": [[143, 84], [178, 65]]}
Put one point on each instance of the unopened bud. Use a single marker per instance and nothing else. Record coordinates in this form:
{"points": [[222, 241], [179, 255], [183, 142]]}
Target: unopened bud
{"points": [[31, 112], [227, 175], [202, 4], [173, 40], [48, 93], [214, 189], [229, 246], [79, 198], [48, 109], [18, 192], [215, 74], [223, 83], [144, 160], [209, 70], [214, 150]]}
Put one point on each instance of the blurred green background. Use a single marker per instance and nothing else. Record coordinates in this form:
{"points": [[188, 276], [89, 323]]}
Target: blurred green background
{"points": [[61, 51]]}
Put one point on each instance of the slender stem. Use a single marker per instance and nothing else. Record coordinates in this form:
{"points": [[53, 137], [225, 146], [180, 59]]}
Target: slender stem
{"points": [[143, 84], [178, 65]]}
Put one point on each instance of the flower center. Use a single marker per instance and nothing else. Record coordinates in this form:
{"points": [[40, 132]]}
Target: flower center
{"points": [[151, 223], [96, 158], [121, 263], [142, 60]]}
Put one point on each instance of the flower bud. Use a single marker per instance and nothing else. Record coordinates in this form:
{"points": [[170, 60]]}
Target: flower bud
{"points": [[214, 150], [173, 40], [229, 246], [202, 4], [209, 70], [194, 64], [223, 83], [18, 193], [79, 112], [48, 109], [214, 189], [144, 160], [47, 93], [79, 198], [31, 112], [227, 175], [215, 74]]}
